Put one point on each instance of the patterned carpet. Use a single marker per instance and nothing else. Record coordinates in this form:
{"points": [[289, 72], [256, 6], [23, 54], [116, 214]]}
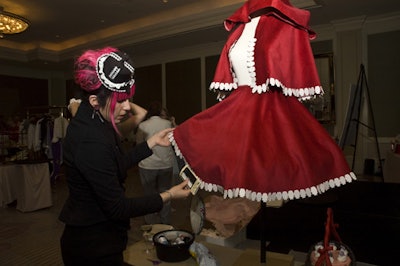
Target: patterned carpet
{"points": [[30, 238]]}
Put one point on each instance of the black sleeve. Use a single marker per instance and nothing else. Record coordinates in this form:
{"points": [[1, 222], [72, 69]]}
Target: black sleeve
{"points": [[99, 169], [139, 152]]}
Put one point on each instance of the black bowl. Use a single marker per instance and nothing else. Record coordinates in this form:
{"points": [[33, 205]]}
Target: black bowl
{"points": [[173, 245]]}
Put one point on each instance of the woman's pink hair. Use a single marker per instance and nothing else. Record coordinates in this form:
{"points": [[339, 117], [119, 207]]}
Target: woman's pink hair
{"points": [[86, 77], [85, 68]]}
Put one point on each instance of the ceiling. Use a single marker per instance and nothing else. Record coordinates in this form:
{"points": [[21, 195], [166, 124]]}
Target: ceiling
{"points": [[61, 29]]}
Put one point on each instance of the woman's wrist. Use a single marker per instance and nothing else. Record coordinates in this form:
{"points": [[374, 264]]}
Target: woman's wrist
{"points": [[151, 142], [167, 196], [170, 194]]}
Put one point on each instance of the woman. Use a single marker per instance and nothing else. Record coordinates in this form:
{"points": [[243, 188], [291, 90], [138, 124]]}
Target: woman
{"points": [[260, 142], [96, 213], [156, 170]]}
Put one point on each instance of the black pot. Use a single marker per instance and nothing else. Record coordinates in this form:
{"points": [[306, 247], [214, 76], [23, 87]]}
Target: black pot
{"points": [[173, 245]]}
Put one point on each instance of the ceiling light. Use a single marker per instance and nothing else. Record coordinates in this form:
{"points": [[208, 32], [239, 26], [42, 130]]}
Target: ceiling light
{"points": [[11, 23]]}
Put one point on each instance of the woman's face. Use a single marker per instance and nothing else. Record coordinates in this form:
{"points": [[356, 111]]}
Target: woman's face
{"points": [[121, 108]]}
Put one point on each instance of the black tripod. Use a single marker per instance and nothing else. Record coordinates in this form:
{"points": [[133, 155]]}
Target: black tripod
{"points": [[353, 118]]}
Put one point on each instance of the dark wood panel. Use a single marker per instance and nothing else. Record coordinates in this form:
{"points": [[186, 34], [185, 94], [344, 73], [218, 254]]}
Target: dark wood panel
{"points": [[18, 93], [183, 82], [148, 85]]}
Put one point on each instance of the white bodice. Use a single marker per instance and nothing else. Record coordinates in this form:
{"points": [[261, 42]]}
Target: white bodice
{"points": [[242, 54]]}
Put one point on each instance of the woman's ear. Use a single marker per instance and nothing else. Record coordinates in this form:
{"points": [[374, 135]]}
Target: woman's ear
{"points": [[94, 102]]}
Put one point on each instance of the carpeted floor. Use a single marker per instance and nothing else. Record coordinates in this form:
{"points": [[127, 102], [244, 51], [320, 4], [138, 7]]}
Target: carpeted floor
{"points": [[29, 238], [32, 238]]}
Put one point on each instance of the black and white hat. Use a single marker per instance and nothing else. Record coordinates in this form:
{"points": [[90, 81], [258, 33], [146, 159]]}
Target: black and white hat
{"points": [[115, 71]]}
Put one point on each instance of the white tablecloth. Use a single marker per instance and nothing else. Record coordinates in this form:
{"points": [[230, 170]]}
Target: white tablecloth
{"points": [[29, 184]]}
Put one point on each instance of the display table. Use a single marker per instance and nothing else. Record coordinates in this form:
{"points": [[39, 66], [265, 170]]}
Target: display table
{"points": [[28, 184], [135, 255]]}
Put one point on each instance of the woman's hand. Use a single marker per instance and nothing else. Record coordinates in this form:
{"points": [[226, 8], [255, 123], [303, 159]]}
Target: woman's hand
{"points": [[180, 191], [160, 138]]}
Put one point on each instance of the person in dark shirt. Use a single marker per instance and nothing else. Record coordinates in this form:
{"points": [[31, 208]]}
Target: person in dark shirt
{"points": [[97, 212]]}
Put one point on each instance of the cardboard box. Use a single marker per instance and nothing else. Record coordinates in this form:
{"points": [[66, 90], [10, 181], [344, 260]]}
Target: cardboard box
{"points": [[209, 236]]}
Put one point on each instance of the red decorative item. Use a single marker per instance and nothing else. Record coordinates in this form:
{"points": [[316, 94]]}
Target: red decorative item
{"points": [[331, 242], [330, 227]]}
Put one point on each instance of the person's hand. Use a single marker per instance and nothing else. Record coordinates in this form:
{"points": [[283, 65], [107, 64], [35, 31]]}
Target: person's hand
{"points": [[73, 106], [180, 191], [160, 138]]}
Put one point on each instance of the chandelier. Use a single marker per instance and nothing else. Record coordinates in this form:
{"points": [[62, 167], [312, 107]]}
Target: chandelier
{"points": [[11, 23]]}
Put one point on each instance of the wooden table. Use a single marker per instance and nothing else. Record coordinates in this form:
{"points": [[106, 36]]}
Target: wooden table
{"points": [[225, 256], [136, 255]]}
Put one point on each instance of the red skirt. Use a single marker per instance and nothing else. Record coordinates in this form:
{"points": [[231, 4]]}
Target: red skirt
{"points": [[261, 146]]}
